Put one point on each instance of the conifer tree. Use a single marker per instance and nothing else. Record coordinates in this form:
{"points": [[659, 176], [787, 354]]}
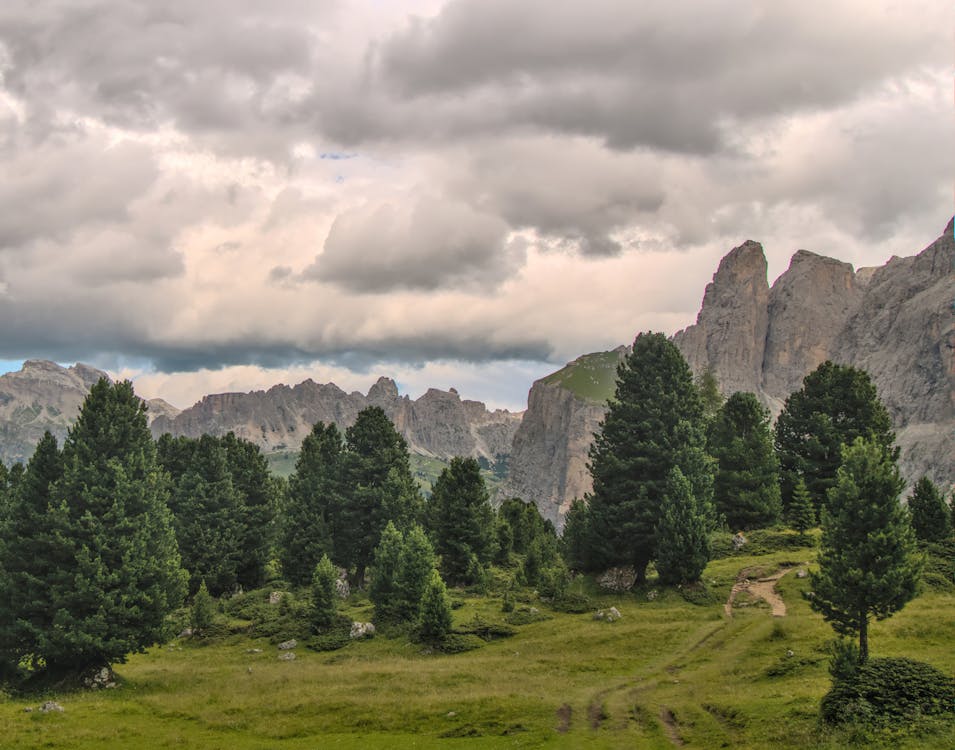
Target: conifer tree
{"points": [[386, 562], [868, 563], [256, 496], [30, 554], [574, 542], [461, 521], [378, 487], [314, 496], [835, 405], [434, 622], [653, 423], [203, 611], [802, 514], [415, 564], [324, 595], [117, 572], [930, 515], [746, 485], [208, 519], [682, 536]]}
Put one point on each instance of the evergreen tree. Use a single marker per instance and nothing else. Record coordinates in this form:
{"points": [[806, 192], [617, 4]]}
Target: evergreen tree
{"points": [[574, 540], [868, 564], [324, 595], [208, 520], [385, 565], [461, 521], [503, 541], [117, 572], [746, 486], [256, 495], [32, 556], [314, 496], [710, 396], [434, 622], [802, 514], [653, 423], [203, 611], [835, 405], [525, 521], [415, 564], [378, 487], [930, 514], [683, 547]]}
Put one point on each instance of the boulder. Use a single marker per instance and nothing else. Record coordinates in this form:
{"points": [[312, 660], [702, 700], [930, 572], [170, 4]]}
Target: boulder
{"points": [[362, 630], [288, 645]]}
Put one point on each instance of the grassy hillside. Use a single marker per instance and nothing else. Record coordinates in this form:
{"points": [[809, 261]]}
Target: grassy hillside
{"points": [[668, 673], [592, 377]]}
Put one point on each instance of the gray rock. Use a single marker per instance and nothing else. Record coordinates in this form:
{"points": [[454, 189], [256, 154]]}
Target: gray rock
{"points": [[362, 630], [287, 656], [287, 645], [739, 541], [275, 597], [652, 595], [102, 678], [801, 574], [186, 633], [51, 706], [618, 579]]}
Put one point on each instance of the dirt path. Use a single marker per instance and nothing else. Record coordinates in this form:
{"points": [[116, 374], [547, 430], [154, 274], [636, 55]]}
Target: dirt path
{"points": [[761, 588], [670, 727]]}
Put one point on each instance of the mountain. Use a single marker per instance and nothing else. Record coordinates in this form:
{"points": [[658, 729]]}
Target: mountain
{"points": [[897, 322], [44, 396], [439, 423]]}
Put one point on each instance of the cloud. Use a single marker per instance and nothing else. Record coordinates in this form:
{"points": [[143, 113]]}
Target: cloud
{"points": [[422, 242]]}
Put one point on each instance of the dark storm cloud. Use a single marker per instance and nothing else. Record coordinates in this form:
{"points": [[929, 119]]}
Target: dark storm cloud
{"points": [[661, 74], [419, 242]]}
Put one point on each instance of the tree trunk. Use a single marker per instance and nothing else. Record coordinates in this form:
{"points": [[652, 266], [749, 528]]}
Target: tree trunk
{"points": [[864, 640]]}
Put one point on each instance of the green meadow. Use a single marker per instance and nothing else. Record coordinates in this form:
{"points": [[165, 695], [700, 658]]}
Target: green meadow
{"points": [[669, 673]]}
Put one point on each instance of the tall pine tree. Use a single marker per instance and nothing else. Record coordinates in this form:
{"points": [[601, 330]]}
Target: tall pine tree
{"points": [[747, 476], [314, 497], [116, 572], [683, 546], [461, 521], [654, 422], [868, 563], [835, 405], [802, 514]]}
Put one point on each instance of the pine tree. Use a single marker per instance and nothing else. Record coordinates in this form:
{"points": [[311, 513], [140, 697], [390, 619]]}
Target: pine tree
{"points": [[682, 538], [868, 564], [378, 487], [434, 621], [415, 564], [461, 521], [314, 496], [746, 486], [256, 496], [324, 595], [32, 556], [802, 514], [710, 396], [574, 540], [653, 423], [208, 519], [386, 562], [835, 405], [930, 514], [203, 611], [117, 572]]}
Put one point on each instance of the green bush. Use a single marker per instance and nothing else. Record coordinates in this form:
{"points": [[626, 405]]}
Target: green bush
{"points": [[572, 603], [525, 616], [889, 691], [486, 631]]}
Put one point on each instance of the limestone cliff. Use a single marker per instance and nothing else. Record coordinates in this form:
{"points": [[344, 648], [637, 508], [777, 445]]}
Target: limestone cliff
{"points": [[896, 321], [438, 424]]}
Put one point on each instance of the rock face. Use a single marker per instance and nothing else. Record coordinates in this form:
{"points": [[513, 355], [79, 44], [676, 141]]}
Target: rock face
{"points": [[438, 424], [41, 396], [897, 322]]}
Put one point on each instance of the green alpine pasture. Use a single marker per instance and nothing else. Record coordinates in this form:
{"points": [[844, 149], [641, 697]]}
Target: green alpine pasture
{"points": [[592, 377], [668, 673]]}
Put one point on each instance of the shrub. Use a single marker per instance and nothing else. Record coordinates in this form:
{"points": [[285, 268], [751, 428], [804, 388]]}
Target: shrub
{"points": [[889, 691], [203, 611]]}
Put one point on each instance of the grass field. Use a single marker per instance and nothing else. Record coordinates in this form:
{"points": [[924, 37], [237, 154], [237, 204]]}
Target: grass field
{"points": [[668, 673], [592, 377]]}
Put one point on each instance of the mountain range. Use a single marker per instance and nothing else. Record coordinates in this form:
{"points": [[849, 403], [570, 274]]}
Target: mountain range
{"points": [[896, 321]]}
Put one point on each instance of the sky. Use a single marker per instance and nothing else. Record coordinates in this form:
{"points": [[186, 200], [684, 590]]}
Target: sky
{"points": [[229, 194]]}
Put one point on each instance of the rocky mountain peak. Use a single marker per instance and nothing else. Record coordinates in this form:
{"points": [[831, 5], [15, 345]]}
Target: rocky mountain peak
{"points": [[384, 390]]}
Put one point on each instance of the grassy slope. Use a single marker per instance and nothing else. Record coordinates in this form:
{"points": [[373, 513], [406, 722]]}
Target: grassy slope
{"points": [[664, 657], [592, 377]]}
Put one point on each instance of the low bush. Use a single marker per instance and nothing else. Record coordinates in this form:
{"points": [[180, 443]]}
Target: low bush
{"points": [[889, 691]]}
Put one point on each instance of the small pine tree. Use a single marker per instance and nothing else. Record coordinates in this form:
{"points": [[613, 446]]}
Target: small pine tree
{"points": [[802, 515], [434, 621], [324, 596], [203, 611], [868, 561], [415, 563], [930, 515], [682, 539], [385, 563]]}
